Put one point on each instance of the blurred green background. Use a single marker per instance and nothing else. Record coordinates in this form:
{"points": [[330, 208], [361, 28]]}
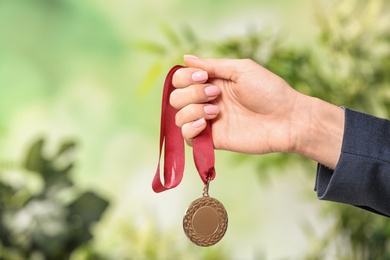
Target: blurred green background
{"points": [[80, 102]]}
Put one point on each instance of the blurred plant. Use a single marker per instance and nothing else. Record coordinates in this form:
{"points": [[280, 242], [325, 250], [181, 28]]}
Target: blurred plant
{"points": [[146, 241], [183, 42], [349, 66], [53, 221], [43, 214], [355, 235]]}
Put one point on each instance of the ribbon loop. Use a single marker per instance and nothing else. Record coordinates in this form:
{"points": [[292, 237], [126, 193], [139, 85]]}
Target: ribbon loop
{"points": [[174, 157]]}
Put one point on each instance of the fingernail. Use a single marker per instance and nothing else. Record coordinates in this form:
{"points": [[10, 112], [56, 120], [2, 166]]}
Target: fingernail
{"points": [[212, 91], [199, 76], [198, 123], [211, 109], [190, 56]]}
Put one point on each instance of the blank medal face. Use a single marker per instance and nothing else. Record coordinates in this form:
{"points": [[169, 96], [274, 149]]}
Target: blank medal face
{"points": [[205, 221]]}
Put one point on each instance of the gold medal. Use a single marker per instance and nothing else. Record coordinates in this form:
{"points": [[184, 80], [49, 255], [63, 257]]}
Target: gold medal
{"points": [[205, 221]]}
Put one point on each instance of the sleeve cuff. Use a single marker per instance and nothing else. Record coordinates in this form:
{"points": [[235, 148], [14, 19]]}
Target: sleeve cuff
{"points": [[362, 175]]}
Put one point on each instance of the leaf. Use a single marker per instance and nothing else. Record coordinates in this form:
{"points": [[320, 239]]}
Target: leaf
{"points": [[189, 34], [150, 79], [171, 35], [54, 170], [66, 147], [34, 159], [89, 207], [150, 47], [85, 210]]}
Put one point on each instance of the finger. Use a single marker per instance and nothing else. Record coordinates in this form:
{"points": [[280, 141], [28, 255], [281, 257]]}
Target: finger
{"points": [[219, 68], [194, 94], [188, 76], [193, 112], [193, 129]]}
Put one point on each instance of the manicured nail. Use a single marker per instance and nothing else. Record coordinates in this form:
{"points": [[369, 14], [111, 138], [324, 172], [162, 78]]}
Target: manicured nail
{"points": [[198, 123], [190, 56], [199, 76], [212, 91], [211, 109]]}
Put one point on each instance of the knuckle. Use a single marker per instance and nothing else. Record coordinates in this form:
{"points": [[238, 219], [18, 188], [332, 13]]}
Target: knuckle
{"points": [[193, 94], [177, 78], [178, 119], [247, 61], [197, 93], [188, 132], [193, 110], [185, 131], [173, 99], [182, 77]]}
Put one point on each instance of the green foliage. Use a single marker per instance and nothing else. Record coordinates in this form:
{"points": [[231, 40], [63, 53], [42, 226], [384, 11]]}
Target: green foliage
{"points": [[55, 220], [46, 44], [62, 62], [46, 224], [149, 243], [176, 44], [349, 66], [355, 235]]}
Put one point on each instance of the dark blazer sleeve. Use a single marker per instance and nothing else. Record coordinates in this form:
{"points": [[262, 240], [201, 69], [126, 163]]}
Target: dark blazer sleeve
{"points": [[362, 175]]}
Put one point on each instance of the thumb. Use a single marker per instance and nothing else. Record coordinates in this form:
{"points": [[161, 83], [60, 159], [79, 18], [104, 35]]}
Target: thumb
{"points": [[216, 68]]}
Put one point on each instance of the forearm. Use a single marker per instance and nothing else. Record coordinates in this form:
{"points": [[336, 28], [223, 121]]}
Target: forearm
{"points": [[320, 135]]}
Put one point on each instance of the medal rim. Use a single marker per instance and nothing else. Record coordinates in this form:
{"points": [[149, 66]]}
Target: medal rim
{"points": [[222, 221]]}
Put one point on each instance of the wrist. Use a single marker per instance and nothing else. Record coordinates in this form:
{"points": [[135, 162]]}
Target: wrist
{"points": [[320, 131]]}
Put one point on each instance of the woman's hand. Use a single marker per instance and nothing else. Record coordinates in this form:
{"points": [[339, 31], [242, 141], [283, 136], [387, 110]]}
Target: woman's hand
{"points": [[252, 110]]}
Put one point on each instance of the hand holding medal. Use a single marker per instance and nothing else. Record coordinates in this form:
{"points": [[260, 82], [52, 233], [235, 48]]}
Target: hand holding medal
{"points": [[205, 221]]}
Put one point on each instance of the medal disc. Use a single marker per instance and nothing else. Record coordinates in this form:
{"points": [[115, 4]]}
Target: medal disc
{"points": [[205, 221]]}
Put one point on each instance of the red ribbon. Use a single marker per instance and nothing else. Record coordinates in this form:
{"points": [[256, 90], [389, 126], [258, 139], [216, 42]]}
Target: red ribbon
{"points": [[174, 157]]}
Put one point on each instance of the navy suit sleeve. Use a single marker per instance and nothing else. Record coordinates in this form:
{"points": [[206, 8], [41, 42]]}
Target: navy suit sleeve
{"points": [[362, 175]]}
